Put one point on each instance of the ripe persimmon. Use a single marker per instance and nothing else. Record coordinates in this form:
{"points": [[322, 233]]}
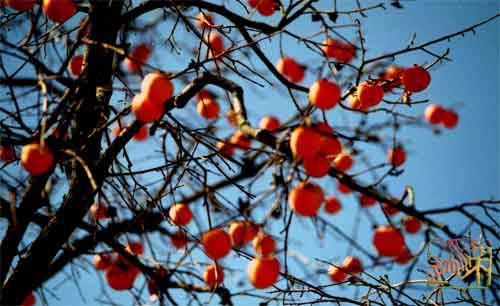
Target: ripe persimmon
{"points": [[59, 10], [343, 52], [343, 161], [344, 189], [366, 201], [241, 140], [352, 265], [316, 166], [332, 205], [264, 244], [393, 74], [21, 5], [102, 261], [396, 156], [179, 239], [330, 146], [231, 117], [404, 257], [263, 272], [142, 134], [356, 104], [146, 110], [135, 247], [336, 274], [99, 211], [30, 300], [305, 199], [120, 276], [324, 94], [389, 209], [76, 65], [36, 159], [215, 44], [369, 94], [290, 69], [305, 142], [213, 275], [388, 241], [270, 123], [411, 224], [7, 154], [180, 214], [226, 148], [137, 57], [157, 88], [242, 232], [216, 243], [208, 108], [267, 7], [450, 119], [434, 113], [204, 20], [415, 79]]}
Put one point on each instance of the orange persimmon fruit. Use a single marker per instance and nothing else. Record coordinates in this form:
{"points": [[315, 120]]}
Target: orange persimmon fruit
{"points": [[263, 272], [388, 241], [324, 94], [242, 232], [305, 199], [213, 275], [180, 214], [36, 159], [415, 79], [216, 243]]}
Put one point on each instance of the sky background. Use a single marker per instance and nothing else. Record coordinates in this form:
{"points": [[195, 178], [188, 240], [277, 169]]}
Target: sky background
{"points": [[456, 166]]}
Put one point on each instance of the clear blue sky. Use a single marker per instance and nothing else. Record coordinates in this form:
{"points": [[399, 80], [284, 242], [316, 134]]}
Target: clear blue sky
{"points": [[459, 165]]}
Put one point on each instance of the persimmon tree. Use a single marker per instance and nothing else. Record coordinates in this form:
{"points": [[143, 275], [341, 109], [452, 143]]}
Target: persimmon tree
{"points": [[161, 178]]}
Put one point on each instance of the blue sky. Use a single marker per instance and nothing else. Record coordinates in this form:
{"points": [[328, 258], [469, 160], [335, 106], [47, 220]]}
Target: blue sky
{"points": [[457, 166]]}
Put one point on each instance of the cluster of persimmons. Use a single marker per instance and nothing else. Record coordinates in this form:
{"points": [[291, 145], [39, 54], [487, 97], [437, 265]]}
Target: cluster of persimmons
{"points": [[315, 146]]}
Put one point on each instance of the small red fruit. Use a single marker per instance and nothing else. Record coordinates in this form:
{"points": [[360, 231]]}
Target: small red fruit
{"points": [[305, 199], [241, 140], [396, 156], [102, 261], [213, 275], [263, 272], [305, 142], [7, 154], [216, 243], [289, 68], [324, 94], [352, 265], [21, 5], [215, 44], [146, 110], [36, 159], [343, 162], [366, 201], [344, 189], [179, 239], [336, 274], [411, 224], [317, 166], [389, 209], [208, 108], [450, 119], [99, 211], [180, 214], [157, 88], [242, 232], [59, 10], [415, 79], [388, 241], [76, 65], [270, 124], [404, 257], [434, 113], [370, 94], [332, 205], [264, 245], [204, 21]]}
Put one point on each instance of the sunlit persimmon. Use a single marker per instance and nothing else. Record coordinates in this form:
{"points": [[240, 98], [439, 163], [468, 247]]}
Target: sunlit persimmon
{"points": [[389, 209], [157, 88], [305, 142], [324, 94], [120, 276], [21, 5], [388, 241], [306, 198], [404, 257], [30, 300], [215, 44], [343, 52], [352, 265], [393, 74], [226, 148], [330, 146], [263, 272], [135, 247], [292, 70], [99, 211], [204, 20], [396, 156], [343, 188], [242, 232], [59, 10], [204, 95], [142, 134], [450, 119], [7, 154], [146, 110], [267, 7], [415, 79], [213, 275], [355, 103], [180, 214], [102, 261], [76, 65], [36, 159], [269, 123], [369, 94], [137, 57], [332, 205], [343, 162], [434, 113], [241, 140], [366, 201], [179, 239], [336, 274], [216, 243], [208, 108], [264, 244], [316, 166], [253, 3], [411, 224]]}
